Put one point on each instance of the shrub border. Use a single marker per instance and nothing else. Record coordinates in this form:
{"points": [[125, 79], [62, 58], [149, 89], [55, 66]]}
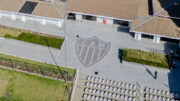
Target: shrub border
{"points": [[142, 61]]}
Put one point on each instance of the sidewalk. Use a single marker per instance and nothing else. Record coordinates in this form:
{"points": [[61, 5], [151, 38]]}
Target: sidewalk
{"points": [[29, 51], [33, 26]]}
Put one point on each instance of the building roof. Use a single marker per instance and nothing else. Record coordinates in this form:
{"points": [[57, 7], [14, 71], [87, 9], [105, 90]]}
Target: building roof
{"points": [[121, 9], [44, 8], [160, 26], [138, 11], [160, 22], [11, 5]]}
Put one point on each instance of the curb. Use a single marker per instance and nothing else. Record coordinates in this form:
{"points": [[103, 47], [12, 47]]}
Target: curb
{"points": [[152, 67]]}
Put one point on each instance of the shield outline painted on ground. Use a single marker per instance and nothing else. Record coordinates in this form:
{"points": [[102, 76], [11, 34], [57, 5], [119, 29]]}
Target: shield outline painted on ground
{"points": [[91, 39]]}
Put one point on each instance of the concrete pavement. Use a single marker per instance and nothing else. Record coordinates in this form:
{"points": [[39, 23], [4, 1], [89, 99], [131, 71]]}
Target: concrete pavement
{"points": [[33, 26], [108, 67], [29, 51]]}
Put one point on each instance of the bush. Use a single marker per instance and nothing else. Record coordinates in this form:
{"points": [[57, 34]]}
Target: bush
{"points": [[41, 40], [147, 58], [7, 36]]}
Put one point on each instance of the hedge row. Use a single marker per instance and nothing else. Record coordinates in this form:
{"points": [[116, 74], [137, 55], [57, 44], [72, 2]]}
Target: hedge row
{"points": [[147, 58], [38, 39]]}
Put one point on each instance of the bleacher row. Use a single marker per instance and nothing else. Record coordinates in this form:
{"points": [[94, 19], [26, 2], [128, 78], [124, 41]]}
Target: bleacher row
{"points": [[157, 95], [100, 89], [108, 82]]}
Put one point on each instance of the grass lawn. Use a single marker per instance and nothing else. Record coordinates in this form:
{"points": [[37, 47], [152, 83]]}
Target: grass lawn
{"points": [[14, 32], [39, 39], [147, 58], [32, 37], [25, 87], [4, 56]]}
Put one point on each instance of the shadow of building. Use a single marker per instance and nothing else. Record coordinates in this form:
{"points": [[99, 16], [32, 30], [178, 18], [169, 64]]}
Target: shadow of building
{"points": [[173, 8], [174, 74], [174, 80]]}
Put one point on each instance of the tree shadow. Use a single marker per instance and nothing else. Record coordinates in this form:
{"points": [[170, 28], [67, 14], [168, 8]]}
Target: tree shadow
{"points": [[172, 8]]}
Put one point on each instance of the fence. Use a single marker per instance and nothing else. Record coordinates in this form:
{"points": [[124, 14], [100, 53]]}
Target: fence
{"points": [[37, 69], [74, 85]]}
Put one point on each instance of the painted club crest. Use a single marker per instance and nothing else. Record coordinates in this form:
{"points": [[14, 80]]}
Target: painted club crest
{"points": [[91, 50]]}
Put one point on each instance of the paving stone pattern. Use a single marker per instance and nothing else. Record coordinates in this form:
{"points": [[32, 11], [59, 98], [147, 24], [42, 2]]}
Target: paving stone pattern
{"points": [[91, 50]]}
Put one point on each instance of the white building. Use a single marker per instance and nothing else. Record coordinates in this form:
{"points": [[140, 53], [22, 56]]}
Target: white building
{"points": [[133, 14], [34, 10], [143, 21]]}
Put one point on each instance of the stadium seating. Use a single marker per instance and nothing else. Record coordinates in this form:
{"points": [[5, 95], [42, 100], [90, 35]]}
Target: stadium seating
{"points": [[100, 89], [151, 94]]}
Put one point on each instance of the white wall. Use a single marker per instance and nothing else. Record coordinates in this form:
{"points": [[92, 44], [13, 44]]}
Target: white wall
{"points": [[23, 19], [109, 21], [60, 23], [78, 16], [99, 19], [13, 16], [43, 21], [156, 39], [137, 36]]}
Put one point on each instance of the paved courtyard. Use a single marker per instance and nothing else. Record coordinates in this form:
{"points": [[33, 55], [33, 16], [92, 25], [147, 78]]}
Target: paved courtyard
{"points": [[32, 25], [91, 50], [80, 54]]}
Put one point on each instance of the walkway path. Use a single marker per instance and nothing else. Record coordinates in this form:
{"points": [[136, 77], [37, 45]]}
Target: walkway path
{"points": [[32, 25], [28, 50]]}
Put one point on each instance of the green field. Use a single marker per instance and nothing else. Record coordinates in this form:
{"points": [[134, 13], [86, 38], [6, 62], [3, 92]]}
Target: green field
{"points": [[14, 32], [32, 37], [17, 86], [38, 39], [147, 58], [13, 58]]}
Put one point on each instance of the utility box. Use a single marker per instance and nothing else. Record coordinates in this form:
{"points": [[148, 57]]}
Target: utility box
{"points": [[104, 21]]}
